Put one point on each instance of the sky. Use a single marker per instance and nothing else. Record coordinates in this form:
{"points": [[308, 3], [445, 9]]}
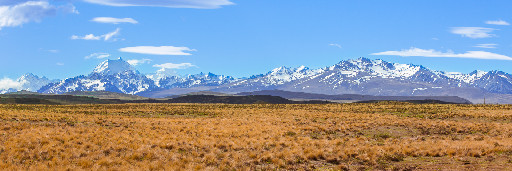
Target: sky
{"points": [[66, 38]]}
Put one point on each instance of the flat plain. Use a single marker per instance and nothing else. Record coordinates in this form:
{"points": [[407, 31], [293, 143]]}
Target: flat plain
{"points": [[378, 136]]}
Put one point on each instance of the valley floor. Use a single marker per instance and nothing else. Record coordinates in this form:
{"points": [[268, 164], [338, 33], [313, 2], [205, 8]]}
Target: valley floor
{"points": [[385, 135]]}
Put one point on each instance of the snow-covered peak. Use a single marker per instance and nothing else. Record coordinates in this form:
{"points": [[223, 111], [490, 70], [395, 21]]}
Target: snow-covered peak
{"points": [[208, 76], [28, 82], [27, 77], [478, 73], [301, 68], [467, 78], [284, 75], [497, 74], [161, 74], [280, 70], [110, 67], [360, 60], [375, 68], [289, 71]]}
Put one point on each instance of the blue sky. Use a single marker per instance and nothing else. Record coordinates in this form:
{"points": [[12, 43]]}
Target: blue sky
{"points": [[66, 38]]}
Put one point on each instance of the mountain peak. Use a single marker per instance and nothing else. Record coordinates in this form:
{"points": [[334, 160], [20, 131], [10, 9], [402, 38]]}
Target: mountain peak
{"points": [[477, 74], [301, 68], [281, 69], [361, 59], [28, 76], [110, 67]]}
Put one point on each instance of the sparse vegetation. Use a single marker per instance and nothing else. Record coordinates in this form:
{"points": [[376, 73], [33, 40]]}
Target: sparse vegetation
{"points": [[384, 135]]}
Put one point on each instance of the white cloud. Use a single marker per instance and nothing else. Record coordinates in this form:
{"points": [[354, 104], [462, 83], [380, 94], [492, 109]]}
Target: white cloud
{"points": [[487, 45], [8, 83], [158, 50], [18, 12], [136, 62], [114, 20], [173, 66], [433, 53], [473, 32], [17, 15], [106, 37], [59, 64], [498, 22], [335, 45], [98, 55], [204, 4]]}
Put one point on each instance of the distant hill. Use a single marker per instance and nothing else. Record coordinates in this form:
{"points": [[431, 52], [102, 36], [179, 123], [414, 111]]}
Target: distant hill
{"points": [[251, 99], [409, 101], [23, 92], [106, 95], [354, 97], [209, 93], [82, 99], [53, 99], [25, 100]]}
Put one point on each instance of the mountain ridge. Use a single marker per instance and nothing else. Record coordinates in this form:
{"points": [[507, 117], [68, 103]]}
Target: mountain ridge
{"points": [[354, 76]]}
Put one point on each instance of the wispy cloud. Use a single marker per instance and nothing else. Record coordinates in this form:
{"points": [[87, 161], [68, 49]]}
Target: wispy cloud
{"points": [[86, 37], [473, 32], [136, 62], [17, 13], [335, 45], [433, 53], [109, 36], [205, 4], [59, 64], [7, 83], [49, 50], [498, 22], [106, 37], [158, 50], [165, 66], [114, 20], [487, 45], [99, 55]]}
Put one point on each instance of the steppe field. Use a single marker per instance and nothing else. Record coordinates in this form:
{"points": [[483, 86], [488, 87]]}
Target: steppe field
{"points": [[380, 136]]}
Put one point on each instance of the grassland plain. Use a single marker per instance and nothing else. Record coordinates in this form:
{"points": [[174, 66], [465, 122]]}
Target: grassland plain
{"points": [[381, 136]]}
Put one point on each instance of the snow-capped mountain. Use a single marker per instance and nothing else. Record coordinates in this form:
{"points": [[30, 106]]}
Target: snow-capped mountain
{"points": [[201, 79], [28, 82], [467, 78], [351, 76], [357, 76], [111, 75], [163, 73], [31, 82], [271, 80], [495, 82], [112, 67], [375, 77]]}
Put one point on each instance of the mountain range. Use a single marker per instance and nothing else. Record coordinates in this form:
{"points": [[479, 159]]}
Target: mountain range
{"points": [[356, 76]]}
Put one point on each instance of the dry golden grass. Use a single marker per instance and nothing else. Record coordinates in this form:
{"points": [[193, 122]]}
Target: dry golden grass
{"points": [[384, 136]]}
